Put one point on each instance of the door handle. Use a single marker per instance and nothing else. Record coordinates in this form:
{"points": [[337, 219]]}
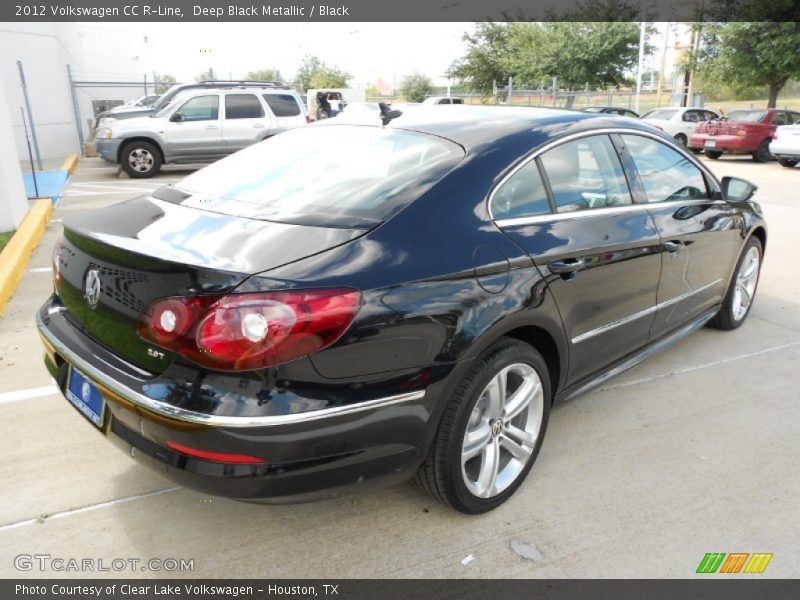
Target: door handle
{"points": [[673, 246], [211, 126], [258, 125], [567, 268]]}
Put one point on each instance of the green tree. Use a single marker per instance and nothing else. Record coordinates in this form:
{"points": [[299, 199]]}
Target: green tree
{"points": [[314, 73], [163, 83], [577, 53], [415, 87], [264, 75], [748, 55]]}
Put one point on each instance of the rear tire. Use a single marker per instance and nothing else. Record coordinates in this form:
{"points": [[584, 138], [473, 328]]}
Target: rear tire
{"points": [[489, 436], [742, 288], [140, 159], [762, 155], [787, 162], [713, 154]]}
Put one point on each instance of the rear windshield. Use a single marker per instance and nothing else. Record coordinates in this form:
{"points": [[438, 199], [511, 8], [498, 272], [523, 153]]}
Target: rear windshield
{"points": [[748, 116], [660, 114], [327, 175]]}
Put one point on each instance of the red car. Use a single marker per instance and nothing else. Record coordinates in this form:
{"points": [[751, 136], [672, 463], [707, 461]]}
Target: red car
{"points": [[743, 131]]}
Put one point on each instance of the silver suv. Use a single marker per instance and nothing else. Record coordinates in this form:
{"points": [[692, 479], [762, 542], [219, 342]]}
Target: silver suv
{"points": [[200, 125]]}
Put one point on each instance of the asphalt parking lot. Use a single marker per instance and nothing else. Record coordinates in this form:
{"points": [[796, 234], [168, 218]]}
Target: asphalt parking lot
{"points": [[695, 451]]}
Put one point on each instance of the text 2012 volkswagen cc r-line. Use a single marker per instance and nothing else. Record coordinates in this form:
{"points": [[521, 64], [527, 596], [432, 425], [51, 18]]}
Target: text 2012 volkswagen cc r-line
{"points": [[355, 302]]}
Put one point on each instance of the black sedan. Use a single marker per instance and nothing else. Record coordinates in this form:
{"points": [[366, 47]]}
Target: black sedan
{"points": [[351, 303]]}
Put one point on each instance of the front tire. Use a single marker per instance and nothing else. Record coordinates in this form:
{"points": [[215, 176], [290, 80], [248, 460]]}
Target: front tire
{"points": [[681, 139], [491, 430], [140, 159], [742, 289], [713, 154], [787, 162]]}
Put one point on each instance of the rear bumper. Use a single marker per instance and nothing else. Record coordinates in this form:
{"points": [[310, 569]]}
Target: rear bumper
{"points": [[731, 144], [306, 453]]}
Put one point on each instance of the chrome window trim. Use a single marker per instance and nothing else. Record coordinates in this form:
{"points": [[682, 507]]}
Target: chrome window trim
{"points": [[642, 313], [574, 136], [181, 414]]}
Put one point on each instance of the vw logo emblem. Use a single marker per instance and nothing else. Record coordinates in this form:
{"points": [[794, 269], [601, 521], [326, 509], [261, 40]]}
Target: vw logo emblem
{"points": [[91, 289], [497, 427], [86, 392]]}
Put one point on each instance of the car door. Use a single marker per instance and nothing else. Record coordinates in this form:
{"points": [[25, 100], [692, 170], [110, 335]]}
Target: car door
{"points": [[571, 210], [193, 130], [244, 121], [689, 122], [700, 232]]}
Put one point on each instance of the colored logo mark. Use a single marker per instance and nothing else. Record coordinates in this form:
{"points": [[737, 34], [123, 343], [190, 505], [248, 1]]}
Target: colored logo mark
{"points": [[735, 562]]}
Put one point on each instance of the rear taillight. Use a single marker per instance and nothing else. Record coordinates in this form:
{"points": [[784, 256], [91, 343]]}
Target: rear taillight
{"points": [[309, 119], [775, 135], [56, 259], [241, 332], [740, 131]]}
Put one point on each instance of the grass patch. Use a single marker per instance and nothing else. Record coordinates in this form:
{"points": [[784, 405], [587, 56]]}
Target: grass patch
{"points": [[4, 238]]}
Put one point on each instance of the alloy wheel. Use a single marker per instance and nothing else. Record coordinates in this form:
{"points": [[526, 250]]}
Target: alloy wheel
{"points": [[502, 430], [745, 285], [141, 160]]}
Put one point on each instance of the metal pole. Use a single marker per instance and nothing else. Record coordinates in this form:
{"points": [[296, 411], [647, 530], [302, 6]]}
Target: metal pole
{"points": [[642, 27], [30, 154], [75, 108], [510, 94], [30, 113], [145, 85], [555, 89]]}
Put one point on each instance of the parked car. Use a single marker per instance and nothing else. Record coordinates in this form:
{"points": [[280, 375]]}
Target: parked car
{"points": [[679, 122], [141, 101], [743, 131], [785, 144], [436, 100], [612, 110], [413, 309], [119, 113], [328, 102], [200, 125]]}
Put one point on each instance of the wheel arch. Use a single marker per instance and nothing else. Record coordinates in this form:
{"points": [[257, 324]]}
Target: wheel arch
{"points": [[140, 138]]}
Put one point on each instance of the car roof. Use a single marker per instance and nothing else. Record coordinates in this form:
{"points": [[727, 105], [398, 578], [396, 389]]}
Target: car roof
{"points": [[474, 126]]}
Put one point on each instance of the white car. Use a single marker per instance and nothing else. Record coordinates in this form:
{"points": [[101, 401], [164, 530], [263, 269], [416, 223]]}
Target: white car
{"points": [[436, 100], [679, 122], [785, 145]]}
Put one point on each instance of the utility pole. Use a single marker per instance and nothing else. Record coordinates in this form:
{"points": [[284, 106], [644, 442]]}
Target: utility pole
{"points": [[692, 64], [663, 66], [642, 28]]}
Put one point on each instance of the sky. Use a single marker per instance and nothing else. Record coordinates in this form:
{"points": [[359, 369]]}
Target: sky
{"points": [[366, 51]]}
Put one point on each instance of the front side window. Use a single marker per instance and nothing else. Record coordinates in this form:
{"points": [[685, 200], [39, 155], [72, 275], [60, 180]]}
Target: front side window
{"points": [[586, 174], [200, 108], [243, 106], [665, 174], [521, 195], [693, 116], [282, 105]]}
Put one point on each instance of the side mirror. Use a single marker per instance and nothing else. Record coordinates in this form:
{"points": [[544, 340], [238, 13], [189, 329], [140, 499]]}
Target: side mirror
{"points": [[176, 118], [738, 190]]}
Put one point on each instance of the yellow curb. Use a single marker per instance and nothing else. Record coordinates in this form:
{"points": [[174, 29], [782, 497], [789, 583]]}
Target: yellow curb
{"points": [[70, 164], [15, 255]]}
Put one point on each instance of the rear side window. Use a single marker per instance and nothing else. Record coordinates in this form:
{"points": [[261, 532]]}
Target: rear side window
{"points": [[665, 174], [458, 101], [282, 105], [327, 175], [660, 113], [200, 108], [522, 195], [243, 106], [586, 174]]}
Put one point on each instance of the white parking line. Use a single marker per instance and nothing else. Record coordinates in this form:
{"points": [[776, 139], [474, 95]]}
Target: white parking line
{"points": [[28, 394], [83, 509], [41, 270], [698, 367]]}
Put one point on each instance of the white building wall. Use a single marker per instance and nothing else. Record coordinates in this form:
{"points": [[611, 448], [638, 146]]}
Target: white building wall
{"points": [[13, 203]]}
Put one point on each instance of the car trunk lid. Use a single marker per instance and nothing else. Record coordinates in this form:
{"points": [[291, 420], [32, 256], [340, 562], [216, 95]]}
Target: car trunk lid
{"points": [[146, 249]]}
